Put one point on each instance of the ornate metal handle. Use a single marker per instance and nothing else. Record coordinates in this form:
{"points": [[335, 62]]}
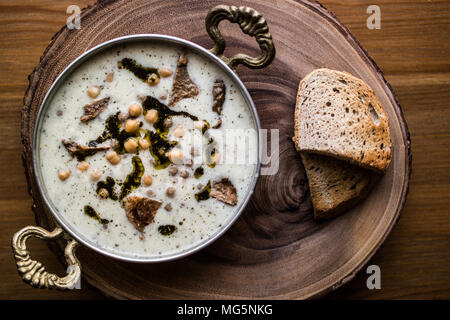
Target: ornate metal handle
{"points": [[33, 272], [251, 23]]}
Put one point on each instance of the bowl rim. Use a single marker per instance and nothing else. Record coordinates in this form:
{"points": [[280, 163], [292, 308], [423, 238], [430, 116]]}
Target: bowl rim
{"points": [[60, 80]]}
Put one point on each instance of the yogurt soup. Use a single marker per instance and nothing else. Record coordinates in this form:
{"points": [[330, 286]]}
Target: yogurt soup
{"points": [[147, 149]]}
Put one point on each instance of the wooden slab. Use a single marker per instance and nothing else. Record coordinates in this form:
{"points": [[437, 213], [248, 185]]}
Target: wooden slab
{"points": [[275, 250]]}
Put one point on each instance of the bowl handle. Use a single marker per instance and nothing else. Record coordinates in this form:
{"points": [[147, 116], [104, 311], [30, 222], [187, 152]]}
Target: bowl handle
{"points": [[251, 23], [33, 272]]}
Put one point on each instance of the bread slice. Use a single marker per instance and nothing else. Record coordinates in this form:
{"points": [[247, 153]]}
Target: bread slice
{"points": [[335, 185], [339, 115]]}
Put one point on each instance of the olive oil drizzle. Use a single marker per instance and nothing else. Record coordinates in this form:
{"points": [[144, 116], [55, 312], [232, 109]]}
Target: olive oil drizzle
{"points": [[138, 70], [81, 152], [204, 193], [133, 180], [164, 112], [211, 150], [81, 155], [159, 144], [107, 184], [199, 172], [167, 230], [211, 145], [88, 210], [112, 131]]}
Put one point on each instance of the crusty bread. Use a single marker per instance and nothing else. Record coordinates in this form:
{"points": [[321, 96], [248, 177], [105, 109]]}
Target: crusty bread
{"points": [[338, 115], [335, 185]]}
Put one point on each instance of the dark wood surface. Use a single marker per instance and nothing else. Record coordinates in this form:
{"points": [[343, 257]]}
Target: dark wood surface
{"points": [[420, 67]]}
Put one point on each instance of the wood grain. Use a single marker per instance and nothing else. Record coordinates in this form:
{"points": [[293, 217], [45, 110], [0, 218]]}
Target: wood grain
{"points": [[405, 267], [275, 234]]}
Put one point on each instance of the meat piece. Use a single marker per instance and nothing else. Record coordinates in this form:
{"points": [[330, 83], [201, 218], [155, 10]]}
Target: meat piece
{"points": [[141, 211], [218, 93], [79, 151], [92, 110], [224, 191], [183, 87]]}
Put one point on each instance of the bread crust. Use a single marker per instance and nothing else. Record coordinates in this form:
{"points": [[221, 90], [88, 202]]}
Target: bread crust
{"points": [[335, 185], [349, 106], [342, 167]]}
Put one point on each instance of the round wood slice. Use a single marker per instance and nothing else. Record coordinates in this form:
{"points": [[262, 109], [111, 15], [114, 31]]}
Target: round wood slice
{"points": [[275, 250]]}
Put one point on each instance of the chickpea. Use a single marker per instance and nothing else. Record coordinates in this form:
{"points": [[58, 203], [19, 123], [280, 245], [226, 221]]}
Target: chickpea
{"points": [[135, 110], [132, 125], [150, 192], [168, 207], [130, 145], [103, 193], [184, 174], [199, 125], [122, 116], [147, 180], [189, 163], [173, 170], [163, 97], [96, 175], [144, 144], [110, 77], [83, 166], [165, 72], [170, 192], [178, 132], [93, 91], [151, 116], [175, 156], [64, 174], [153, 79], [113, 157]]}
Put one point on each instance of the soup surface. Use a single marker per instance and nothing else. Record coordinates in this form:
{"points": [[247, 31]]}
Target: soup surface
{"points": [[147, 149]]}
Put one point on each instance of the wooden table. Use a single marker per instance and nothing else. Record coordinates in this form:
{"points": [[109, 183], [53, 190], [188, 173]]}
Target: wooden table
{"points": [[412, 48]]}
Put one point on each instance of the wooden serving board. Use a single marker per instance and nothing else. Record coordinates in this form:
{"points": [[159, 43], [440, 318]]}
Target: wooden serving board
{"points": [[275, 250]]}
